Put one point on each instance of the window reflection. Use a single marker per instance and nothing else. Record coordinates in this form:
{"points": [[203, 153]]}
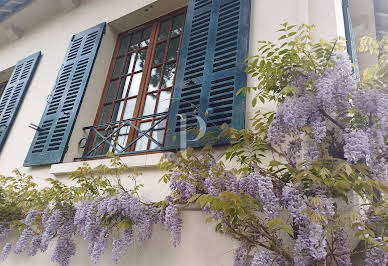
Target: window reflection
{"points": [[164, 29], [164, 101], [155, 79], [149, 105], [142, 143]]}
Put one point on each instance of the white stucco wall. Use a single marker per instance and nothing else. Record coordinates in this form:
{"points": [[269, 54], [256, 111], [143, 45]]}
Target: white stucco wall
{"points": [[200, 245]]}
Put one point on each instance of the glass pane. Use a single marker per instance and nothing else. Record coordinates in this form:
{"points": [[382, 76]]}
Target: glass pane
{"points": [[164, 29], [141, 57], [158, 135], [145, 39], [173, 49], [169, 74], [164, 101], [135, 84], [118, 109], [129, 108], [122, 138], [129, 64], [111, 91], [134, 41], [177, 27], [97, 141], [141, 144], [123, 87], [149, 105], [107, 147], [159, 53], [155, 79], [117, 68], [123, 45], [105, 116]]}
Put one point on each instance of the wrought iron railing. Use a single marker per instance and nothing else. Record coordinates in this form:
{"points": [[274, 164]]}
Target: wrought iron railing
{"points": [[122, 137]]}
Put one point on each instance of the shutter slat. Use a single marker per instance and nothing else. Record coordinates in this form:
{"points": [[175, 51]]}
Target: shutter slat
{"points": [[211, 69], [14, 93], [55, 128]]}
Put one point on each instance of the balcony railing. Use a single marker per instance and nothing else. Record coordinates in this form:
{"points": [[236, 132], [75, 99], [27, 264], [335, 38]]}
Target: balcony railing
{"points": [[130, 136]]}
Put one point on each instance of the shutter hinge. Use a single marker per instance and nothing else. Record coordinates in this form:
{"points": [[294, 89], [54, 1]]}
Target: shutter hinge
{"points": [[72, 38]]}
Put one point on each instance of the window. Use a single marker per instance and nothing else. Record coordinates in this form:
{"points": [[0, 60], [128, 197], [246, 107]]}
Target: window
{"points": [[139, 88]]}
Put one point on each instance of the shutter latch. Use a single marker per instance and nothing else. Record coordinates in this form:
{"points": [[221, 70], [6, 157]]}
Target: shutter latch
{"points": [[34, 127]]}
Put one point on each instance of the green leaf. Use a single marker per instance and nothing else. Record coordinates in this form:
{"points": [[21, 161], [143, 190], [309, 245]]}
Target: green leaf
{"points": [[277, 223], [194, 198]]}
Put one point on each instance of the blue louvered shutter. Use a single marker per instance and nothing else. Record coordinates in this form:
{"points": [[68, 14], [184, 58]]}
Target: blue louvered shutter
{"points": [[51, 139], [14, 92], [350, 39], [211, 71]]}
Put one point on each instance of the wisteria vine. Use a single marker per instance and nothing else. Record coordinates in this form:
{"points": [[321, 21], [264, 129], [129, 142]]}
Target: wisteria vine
{"points": [[327, 147]]}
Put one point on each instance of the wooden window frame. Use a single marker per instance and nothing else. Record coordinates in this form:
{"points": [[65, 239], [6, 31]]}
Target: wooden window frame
{"points": [[143, 88]]}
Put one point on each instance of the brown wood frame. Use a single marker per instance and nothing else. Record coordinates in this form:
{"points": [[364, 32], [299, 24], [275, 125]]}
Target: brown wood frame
{"points": [[146, 76]]}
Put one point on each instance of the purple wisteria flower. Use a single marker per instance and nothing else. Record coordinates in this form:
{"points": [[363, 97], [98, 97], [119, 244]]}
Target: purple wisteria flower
{"points": [[294, 147], [357, 146], [6, 251], [173, 222], [23, 241], [52, 225], [261, 188], [267, 258], [185, 188], [342, 250], [99, 245], [65, 247], [240, 257], [31, 216], [4, 231], [34, 246], [335, 86], [376, 256]]}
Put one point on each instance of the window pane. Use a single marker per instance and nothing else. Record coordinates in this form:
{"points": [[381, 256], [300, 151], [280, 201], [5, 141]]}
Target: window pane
{"points": [[107, 147], [149, 105], [155, 79], [96, 142], [169, 74], [129, 108], [164, 101], [159, 53], [117, 110], [173, 49], [123, 87], [145, 40], [141, 144], [177, 27], [164, 29], [105, 115], [122, 138], [123, 45], [158, 135], [111, 91], [129, 64], [135, 85], [141, 57], [117, 68], [134, 41]]}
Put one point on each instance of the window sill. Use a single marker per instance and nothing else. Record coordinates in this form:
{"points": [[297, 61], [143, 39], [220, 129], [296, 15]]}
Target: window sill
{"points": [[138, 161]]}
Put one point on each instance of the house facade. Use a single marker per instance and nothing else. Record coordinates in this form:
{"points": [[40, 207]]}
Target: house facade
{"points": [[83, 78]]}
